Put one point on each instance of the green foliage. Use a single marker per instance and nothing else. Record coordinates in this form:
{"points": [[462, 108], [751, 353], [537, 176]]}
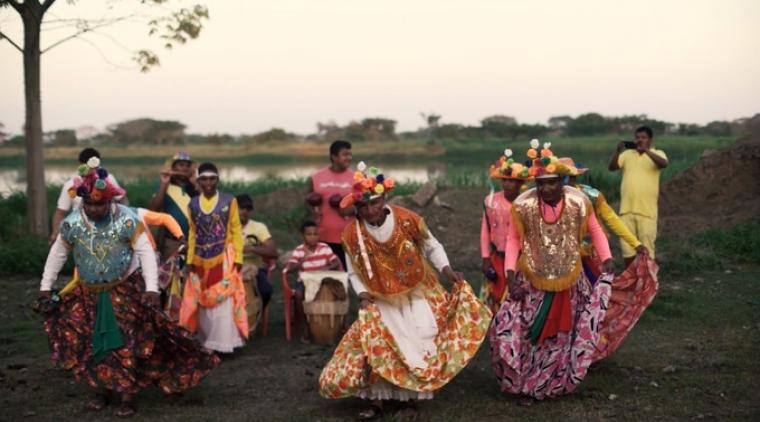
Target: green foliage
{"points": [[741, 242], [147, 131]]}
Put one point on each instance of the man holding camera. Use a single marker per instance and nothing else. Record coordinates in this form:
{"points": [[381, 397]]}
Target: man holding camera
{"points": [[327, 188], [641, 165]]}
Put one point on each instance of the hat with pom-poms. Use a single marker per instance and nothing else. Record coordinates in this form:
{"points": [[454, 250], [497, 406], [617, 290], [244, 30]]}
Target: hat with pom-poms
{"points": [[92, 182], [369, 183], [506, 167], [544, 164]]}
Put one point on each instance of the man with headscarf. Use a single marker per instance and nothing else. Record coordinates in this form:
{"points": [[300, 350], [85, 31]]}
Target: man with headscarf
{"points": [[106, 327], [411, 337]]}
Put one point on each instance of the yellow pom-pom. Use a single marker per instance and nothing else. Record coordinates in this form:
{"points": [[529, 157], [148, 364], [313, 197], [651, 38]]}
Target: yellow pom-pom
{"points": [[72, 193], [551, 168], [379, 189], [358, 176]]}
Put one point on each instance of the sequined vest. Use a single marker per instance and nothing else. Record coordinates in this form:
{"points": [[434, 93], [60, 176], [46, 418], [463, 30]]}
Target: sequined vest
{"points": [[210, 229], [396, 265], [551, 258], [103, 251]]}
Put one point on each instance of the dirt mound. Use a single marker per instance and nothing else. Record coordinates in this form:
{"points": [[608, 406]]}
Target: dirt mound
{"points": [[721, 189]]}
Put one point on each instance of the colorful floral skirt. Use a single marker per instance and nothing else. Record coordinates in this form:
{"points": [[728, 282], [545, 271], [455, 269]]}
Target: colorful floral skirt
{"points": [[368, 352], [156, 351], [558, 364], [632, 292]]}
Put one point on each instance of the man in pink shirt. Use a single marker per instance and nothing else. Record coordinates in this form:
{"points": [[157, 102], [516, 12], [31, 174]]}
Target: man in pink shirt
{"points": [[327, 188], [495, 225], [545, 336]]}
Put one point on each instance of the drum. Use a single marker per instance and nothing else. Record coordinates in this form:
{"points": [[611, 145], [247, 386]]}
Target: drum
{"points": [[326, 309], [253, 301]]}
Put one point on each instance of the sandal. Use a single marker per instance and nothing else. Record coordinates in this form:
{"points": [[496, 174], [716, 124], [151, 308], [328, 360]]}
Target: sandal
{"points": [[99, 402], [126, 409], [371, 413]]}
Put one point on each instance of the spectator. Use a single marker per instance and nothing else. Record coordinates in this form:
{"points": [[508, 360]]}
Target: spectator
{"points": [[327, 188], [641, 165], [258, 245]]}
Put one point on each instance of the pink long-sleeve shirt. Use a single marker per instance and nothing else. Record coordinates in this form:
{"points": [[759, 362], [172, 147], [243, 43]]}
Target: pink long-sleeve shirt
{"points": [[514, 242], [498, 209]]}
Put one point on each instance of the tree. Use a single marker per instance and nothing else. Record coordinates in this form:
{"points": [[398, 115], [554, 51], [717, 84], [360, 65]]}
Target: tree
{"points": [[148, 131], [176, 27], [64, 138], [3, 135], [589, 124]]}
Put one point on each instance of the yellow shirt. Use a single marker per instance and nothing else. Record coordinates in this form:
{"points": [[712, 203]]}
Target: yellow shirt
{"points": [[640, 187], [255, 234]]}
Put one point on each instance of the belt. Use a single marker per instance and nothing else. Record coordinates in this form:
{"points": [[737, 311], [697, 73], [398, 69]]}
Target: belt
{"points": [[101, 287]]}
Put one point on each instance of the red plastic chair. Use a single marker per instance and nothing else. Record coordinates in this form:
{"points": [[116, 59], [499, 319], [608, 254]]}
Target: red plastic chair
{"points": [[289, 299]]}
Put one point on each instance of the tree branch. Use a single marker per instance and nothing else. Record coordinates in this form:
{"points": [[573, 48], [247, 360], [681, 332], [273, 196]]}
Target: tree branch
{"points": [[46, 5], [18, 6], [82, 31], [3, 36]]}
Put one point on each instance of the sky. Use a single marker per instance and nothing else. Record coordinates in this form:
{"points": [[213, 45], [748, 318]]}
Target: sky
{"points": [[293, 63]]}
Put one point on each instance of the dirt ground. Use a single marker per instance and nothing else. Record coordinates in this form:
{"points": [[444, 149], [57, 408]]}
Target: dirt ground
{"points": [[692, 356]]}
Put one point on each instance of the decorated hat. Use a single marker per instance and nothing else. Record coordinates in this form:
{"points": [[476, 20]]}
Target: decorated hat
{"points": [[544, 164], [181, 156], [92, 182], [369, 183], [578, 169], [507, 168]]}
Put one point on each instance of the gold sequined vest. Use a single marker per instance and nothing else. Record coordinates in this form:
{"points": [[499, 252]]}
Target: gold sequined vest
{"points": [[397, 265], [551, 258]]}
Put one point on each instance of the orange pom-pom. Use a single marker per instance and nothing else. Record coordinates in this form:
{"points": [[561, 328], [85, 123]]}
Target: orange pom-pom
{"points": [[532, 153], [72, 193], [96, 195], [389, 183], [368, 183], [533, 171], [551, 168], [546, 152], [358, 176]]}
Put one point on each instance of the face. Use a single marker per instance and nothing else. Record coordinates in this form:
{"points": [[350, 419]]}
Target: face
{"points": [[550, 190], [511, 188], [310, 236], [182, 169], [343, 159], [374, 211], [573, 180], [643, 140], [245, 214], [208, 185], [95, 210]]}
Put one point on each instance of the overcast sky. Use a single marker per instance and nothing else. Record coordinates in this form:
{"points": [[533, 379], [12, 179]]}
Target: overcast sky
{"points": [[292, 63]]}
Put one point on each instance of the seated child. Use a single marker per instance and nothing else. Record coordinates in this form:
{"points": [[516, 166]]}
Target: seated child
{"points": [[258, 245], [311, 255]]}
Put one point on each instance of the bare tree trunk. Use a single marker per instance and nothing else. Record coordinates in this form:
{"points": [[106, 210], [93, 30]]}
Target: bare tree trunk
{"points": [[36, 190]]}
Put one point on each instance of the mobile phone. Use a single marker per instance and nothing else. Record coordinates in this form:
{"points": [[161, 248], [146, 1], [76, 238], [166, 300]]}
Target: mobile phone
{"points": [[629, 145]]}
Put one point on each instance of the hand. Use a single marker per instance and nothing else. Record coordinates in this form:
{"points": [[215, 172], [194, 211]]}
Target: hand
{"points": [[516, 291], [151, 299], [620, 147], [453, 276], [238, 267], [641, 148], [165, 177], [642, 250], [365, 300], [486, 265], [182, 244], [608, 267], [52, 238]]}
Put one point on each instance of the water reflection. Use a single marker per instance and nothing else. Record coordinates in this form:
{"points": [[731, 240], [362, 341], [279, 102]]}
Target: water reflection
{"points": [[15, 179]]}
